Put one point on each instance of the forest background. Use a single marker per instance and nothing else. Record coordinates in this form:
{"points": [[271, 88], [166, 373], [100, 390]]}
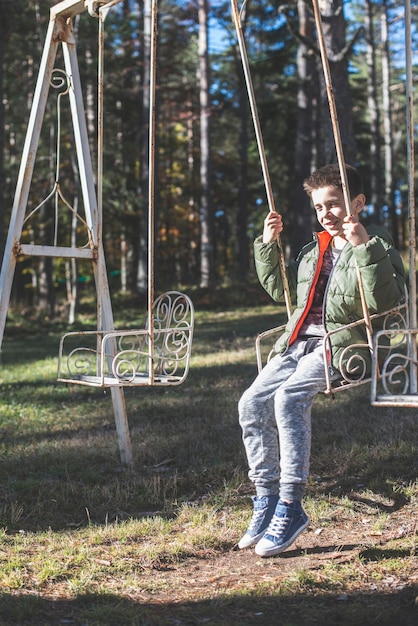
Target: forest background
{"points": [[210, 196]]}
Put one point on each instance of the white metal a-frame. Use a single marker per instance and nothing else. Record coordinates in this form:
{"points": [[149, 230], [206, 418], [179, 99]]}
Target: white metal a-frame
{"points": [[60, 32]]}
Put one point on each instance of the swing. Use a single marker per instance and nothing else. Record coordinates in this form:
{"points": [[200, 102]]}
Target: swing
{"points": [[124, 358], [353, 363], [396, 370], [158, 354]]}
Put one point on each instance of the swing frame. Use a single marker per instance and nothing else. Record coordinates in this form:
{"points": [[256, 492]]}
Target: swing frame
{"points": [[60, 32]]}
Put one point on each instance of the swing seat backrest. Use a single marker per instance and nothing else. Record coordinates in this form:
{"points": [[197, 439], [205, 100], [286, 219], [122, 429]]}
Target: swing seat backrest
{"points": [[354, 362], [395, 379], [133, 357], [173, 321]]}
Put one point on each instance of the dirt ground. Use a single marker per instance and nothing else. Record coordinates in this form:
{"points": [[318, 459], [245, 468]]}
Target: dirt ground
{"points": [[236, 587], [340, 543]]}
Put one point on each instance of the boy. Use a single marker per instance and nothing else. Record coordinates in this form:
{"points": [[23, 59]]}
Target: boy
{"points": [[275, 411]]}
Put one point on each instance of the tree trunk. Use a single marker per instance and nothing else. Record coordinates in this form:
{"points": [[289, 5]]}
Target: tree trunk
{"points": [[71, 272], [207, 252], [192, 260], [142, 266], [242, 215], [372, 101], [46, 294], [387, 126], [243, 258], [3, 31], [335, 43], [305, 132], [123, 263], [3, 35]]}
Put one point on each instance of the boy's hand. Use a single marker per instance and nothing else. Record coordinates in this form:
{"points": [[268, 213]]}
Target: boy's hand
{"points": [[273, 226], [353, 231]]}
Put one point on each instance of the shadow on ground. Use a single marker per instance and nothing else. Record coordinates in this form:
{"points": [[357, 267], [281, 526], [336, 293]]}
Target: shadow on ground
{"points": [[280, 610]]}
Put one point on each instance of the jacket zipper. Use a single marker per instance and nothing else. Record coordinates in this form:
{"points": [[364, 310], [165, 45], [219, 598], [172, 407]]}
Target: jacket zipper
{"points": [[299, 323], [324, 306]]}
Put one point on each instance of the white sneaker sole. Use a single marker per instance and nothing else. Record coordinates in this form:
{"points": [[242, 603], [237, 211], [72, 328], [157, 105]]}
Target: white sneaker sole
{"points": [[247, 542]]}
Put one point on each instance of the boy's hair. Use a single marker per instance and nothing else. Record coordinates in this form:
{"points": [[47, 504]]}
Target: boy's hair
{"points": [[329, 176]]}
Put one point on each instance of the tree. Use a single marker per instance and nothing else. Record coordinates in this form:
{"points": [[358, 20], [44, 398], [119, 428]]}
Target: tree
{"points": [[242, 247], [4, 33], [378, 73], [209, 188], [207, 259], [374, 113], [388, 198], [142, 269], [315, 142], [338, 52], [306, 135]]}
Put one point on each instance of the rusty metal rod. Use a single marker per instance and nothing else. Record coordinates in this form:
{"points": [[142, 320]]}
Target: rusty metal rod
{"points": [[340, 154], [260, 143]]}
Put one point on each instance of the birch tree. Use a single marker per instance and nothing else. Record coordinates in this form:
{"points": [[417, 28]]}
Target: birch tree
{"points": [[387, 123], [142, 272], [207, 261], [242, 213], [374, 112]]}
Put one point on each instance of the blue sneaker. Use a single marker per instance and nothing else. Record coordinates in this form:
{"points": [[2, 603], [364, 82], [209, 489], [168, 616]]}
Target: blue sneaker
{"points": [[286, 524], [264, 507]]}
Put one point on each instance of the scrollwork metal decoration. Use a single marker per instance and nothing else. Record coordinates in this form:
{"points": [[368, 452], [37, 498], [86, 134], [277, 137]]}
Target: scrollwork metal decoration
{"points": [[352, 364], [82, 362], [124, 357]]}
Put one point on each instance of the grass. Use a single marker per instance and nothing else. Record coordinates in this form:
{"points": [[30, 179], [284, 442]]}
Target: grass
{"points": [[86, 540]]}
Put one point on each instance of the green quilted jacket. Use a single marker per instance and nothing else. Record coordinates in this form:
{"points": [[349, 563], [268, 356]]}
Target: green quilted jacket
{"points": [[383, 278]]}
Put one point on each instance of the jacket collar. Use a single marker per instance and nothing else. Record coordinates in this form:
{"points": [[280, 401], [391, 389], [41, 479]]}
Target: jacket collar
{"points": [[324, 239]]}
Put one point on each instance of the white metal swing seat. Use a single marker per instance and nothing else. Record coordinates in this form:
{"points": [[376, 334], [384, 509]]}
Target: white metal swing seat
{"points": [[133, 357], [353, 363], [394, 382]]}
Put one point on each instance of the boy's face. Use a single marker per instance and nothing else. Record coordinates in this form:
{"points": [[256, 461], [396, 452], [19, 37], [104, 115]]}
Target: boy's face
{"points": [[330, 208]]}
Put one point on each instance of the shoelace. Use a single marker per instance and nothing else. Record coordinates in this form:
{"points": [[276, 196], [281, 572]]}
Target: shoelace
{"points": [[255, 518], [278, 526]]}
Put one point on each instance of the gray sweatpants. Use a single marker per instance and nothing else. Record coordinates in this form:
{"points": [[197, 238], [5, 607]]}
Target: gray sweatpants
{"points": [[275, 417]]}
